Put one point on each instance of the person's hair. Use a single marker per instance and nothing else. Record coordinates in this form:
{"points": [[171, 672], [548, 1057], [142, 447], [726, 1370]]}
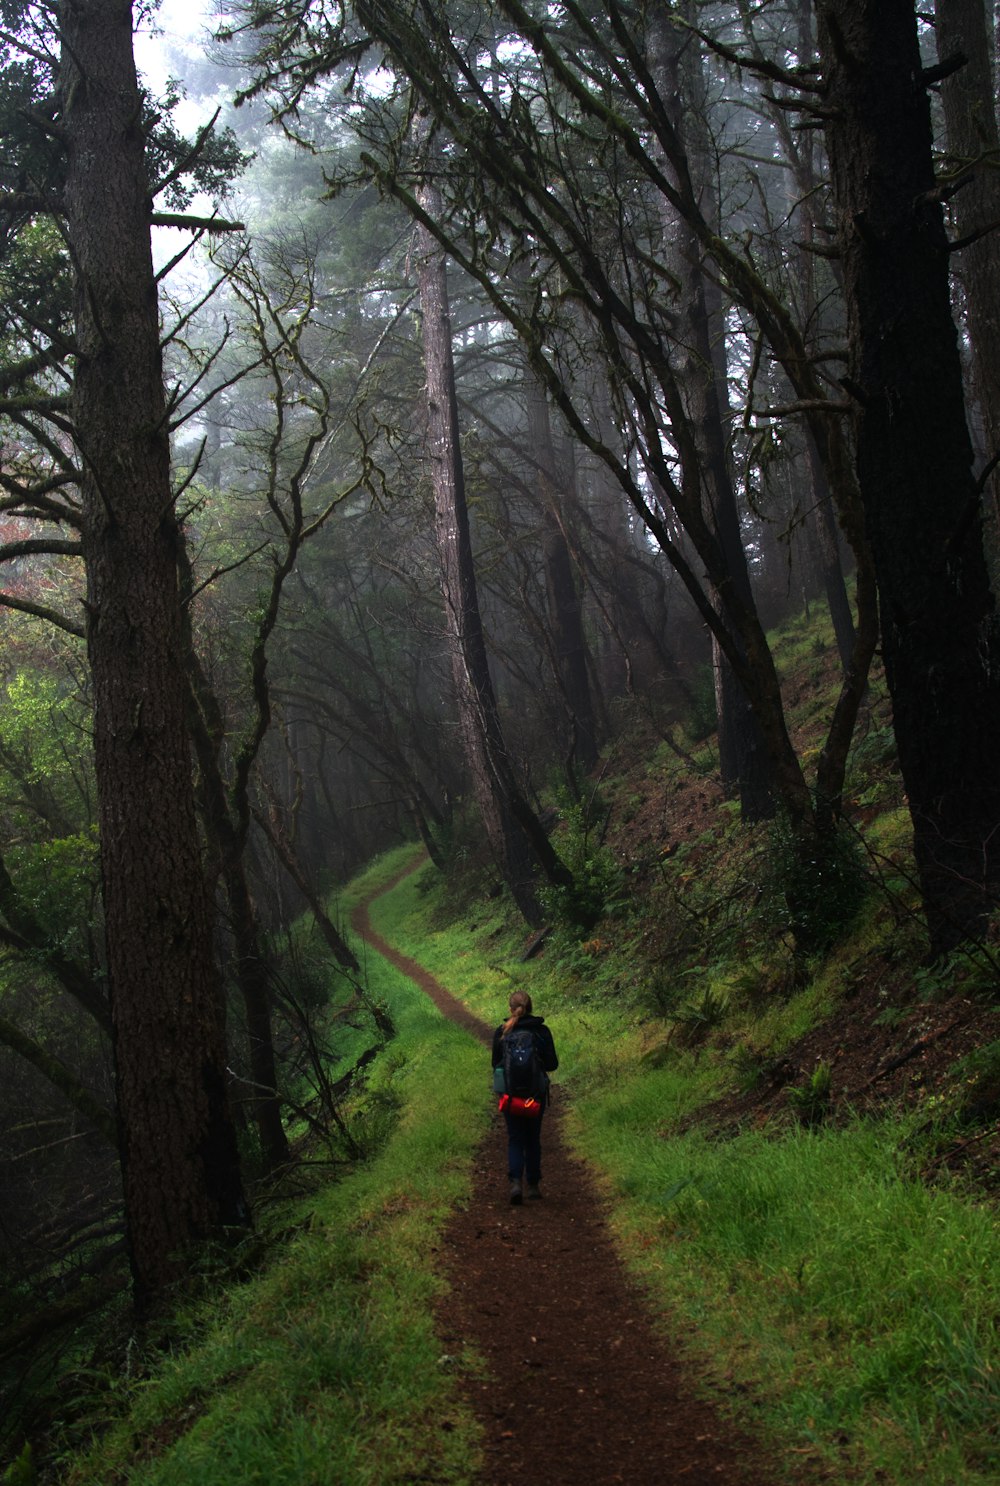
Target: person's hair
{"points": [[520, 1005]]}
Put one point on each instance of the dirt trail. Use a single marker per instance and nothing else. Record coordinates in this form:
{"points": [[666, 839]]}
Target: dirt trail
{"points": [[580, 1390]]}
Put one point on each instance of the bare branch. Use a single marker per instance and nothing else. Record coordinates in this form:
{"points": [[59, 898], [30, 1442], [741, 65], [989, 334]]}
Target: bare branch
{"points": [[211, 395], [23, 371], [17, 43], [807, 405], [973, 237], [938, 73], [32, 501], [32, 403], [40, 611], [231, 567], [62, 1077], [797, 77], [40, 546], [31, 203]]}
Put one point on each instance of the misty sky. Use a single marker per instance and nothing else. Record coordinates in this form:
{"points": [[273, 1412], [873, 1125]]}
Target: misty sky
{"points": [[182, 24]]}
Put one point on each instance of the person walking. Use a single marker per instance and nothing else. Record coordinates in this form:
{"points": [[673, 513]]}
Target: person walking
{"points": [[524, 1131]]}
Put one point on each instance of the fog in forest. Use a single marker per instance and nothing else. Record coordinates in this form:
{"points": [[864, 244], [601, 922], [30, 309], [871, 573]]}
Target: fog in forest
{"points": [[503, 377]]}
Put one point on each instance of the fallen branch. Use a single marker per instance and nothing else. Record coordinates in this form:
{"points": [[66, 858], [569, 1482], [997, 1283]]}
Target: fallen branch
{"points": [[38, 1324], [960, 1145], [917, 1047]]}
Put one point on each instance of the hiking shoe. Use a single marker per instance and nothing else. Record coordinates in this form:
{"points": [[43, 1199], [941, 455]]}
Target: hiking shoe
{"points": [[533, 1193], [515, 1192]]}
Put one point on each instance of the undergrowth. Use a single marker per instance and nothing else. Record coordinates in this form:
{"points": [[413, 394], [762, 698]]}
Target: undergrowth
{"points": [[805, 1265], [323, 1365], [808, 1263]]}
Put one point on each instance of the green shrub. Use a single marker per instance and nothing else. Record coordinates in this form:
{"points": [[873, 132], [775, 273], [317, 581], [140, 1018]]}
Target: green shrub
{"points": [[597, 878], [980, 1082], [814, 886], [696, 1018], [701, 720], [811, 1100]]}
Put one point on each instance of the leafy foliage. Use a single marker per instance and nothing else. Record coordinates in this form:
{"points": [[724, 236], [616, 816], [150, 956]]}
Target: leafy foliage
{"points": [[44, 746], [811, 1100], [597, 879], [700, 1014], [59, 880], [814, 886], [979, 1076]]}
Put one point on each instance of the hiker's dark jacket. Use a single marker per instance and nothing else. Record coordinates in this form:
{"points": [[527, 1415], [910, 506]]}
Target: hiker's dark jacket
{"points": [[543, 1040]]}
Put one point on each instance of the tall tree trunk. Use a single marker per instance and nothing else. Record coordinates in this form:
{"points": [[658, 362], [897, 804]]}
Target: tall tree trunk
{"points": [[800, 149], [518, 841], [612, 578], [565, 617], [703, 374], [824, 528], [940, 639], [974, 145], [254, 981], [227, 834], [179, 1158]]}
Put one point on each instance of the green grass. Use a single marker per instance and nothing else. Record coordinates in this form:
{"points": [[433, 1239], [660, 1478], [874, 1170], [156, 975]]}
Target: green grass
{"points": [[857, 1305], [853, 1306], [860, 1304], [326, 1367]]}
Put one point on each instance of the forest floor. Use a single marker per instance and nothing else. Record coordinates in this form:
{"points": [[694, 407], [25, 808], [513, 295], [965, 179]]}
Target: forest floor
{"points": [[580, 1385]]}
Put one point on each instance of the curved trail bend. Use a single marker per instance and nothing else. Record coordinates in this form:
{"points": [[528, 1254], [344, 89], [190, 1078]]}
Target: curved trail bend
{"points": [[581, 1391]]}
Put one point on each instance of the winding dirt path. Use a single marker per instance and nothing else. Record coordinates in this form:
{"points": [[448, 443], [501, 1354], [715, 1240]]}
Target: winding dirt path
{"points": [[581, 1391]]}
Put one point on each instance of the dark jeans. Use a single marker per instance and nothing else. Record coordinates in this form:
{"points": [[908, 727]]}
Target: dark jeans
{"points": [[524, 1147]]}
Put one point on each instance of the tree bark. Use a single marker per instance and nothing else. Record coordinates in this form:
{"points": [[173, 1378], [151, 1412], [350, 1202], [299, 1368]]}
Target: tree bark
{"points": [[830, 566], [974, 147], [179, 1157], [518, 841], [702, 370], [921, 504], [565, 616], [225, 823]]}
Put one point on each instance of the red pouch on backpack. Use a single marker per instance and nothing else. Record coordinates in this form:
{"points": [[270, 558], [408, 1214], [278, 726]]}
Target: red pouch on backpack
{"points": [[513, 1104]]}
